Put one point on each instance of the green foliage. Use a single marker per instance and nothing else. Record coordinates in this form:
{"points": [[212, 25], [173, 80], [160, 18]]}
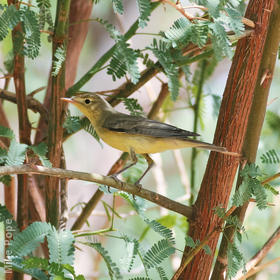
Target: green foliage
{"points": [[250, 186], [114, 271], [162, 51], [72, 124], [7, 218], [45, 16], [61, 246], [87, 126], [16, 153], [28, 240], [132, 250], [183, 31], [272, 120], [161, 273], [31, 29], [192, 244], [270, 157], [118, 6], [144, 7], [137, 203], [9, 18], [59, 58], [132, 105], [235, 260], [158, 252], [162, 230], [41, 151], [124, 59], [6, 132]]}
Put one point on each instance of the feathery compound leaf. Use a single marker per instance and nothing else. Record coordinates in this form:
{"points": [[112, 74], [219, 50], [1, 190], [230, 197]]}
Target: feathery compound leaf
{"points": [[8, 20], [31, 29], [190, 242], [41, 150], [28, 240], [7, 218], [132, 105], [16, 153], [118, 6], [6, 180], [6, 132], [144, 7], [124, 59], [220, 41], [162, 51], [235, 260], [72, 124], [158, 252], [242, 195], [114, 271], [61, 249], [161, 273], [270, 157], [3, 156], [45, 14], [183, 31], [132, 249], [234, 21], [162, 230], [87, 126], [60, 55]]}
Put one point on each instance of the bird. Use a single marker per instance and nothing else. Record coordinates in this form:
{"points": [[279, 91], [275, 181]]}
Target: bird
{"points": [[135, 134]]}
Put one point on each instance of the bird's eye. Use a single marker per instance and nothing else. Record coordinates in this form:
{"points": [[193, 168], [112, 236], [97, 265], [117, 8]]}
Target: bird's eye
{"points": [[87, 101]]}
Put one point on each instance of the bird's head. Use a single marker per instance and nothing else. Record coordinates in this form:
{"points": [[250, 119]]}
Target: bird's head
{"points": [[90, 104]]}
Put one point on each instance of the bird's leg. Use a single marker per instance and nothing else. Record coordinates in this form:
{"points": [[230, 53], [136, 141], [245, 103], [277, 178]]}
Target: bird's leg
{"points": [[134, 161], [150, 165]]}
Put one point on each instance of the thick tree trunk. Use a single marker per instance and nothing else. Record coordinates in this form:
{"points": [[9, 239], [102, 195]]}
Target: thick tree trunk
{"points": [[230, 133]]}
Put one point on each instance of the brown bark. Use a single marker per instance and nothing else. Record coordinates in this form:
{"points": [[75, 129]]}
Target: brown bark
{"points": [[230, 133], [255, 124]]}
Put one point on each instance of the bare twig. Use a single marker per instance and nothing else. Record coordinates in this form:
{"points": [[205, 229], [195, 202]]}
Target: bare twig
{"points": [[105, 180], [259, 256]]}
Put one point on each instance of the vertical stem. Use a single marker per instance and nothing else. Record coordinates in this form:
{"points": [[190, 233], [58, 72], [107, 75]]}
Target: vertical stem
{"points": [[195, 123], [24, 125], [56, 112]]}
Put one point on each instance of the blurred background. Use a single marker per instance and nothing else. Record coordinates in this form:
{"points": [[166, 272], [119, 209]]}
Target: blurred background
{"points": [[171, 174]]}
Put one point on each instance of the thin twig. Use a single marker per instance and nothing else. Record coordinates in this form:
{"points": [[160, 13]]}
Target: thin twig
{"points": [[193, 252], [259, 255], [96, 178]]}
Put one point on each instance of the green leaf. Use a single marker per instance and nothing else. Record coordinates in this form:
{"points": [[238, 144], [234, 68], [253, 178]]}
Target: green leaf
{"points": [[161, 273], [61, 246], [132, 249], [16, 153], [158, 252], [190, 242], [207, 250], [132, 105], [6, 180], [3, 155], [59, 58], [114, 271], [28, 240], [270, 157], [41, 150], [162, 230], [144, 7], [72, 124], [6, 132], [87, 126], [118, 6], [31, 28]]}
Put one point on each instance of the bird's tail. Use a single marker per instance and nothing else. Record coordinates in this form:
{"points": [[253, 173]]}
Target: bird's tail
{"points": [[214, 148]]}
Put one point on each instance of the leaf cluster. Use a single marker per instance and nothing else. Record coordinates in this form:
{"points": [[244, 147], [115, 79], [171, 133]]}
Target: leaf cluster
{"points": [[16, 153]]}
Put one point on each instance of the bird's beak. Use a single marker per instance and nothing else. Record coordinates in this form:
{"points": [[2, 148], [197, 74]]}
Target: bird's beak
{"points": [[69, 100]]}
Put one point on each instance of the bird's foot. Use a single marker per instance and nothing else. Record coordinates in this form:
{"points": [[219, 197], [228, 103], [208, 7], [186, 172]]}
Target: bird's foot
{"points": [[116, 179]]}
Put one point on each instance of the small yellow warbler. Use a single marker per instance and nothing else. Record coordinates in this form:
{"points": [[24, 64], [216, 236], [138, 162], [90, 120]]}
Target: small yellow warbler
{"points": [[135, 134]]}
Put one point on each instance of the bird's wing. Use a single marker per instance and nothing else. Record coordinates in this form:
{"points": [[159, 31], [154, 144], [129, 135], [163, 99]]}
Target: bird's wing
{"points": [[143, 126]]}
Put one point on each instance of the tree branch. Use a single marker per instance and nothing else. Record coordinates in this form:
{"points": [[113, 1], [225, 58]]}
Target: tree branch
{"points": [[259, 256], [96, 178]]}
